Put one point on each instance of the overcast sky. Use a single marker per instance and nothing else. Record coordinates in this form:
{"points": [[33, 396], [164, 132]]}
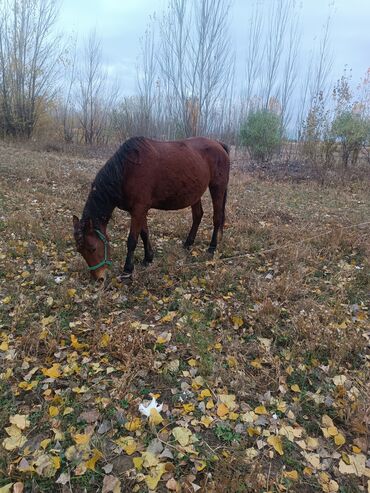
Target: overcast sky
{"points": [[121, 23]]}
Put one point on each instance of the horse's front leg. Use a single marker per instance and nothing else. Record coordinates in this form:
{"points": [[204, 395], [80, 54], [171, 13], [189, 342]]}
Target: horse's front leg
{"points": [[137, 222], [144, 233]]}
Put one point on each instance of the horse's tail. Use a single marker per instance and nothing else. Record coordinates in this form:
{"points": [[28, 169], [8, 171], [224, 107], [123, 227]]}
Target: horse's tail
{"points": [[223, 213], [225, 146]]}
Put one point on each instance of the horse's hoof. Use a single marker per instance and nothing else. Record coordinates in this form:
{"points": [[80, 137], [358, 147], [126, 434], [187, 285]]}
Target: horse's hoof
{"points": [[147, 262], [211, 251], [186, 245], [125, 278]]}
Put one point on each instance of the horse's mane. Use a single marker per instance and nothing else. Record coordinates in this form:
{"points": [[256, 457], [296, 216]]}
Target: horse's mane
{"points": [[106, 189]]}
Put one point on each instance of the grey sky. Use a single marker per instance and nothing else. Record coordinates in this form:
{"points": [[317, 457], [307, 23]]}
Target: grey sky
{"points": [[121, 23]]}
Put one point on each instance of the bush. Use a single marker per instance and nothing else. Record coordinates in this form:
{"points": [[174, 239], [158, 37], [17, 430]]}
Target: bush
{"points": [[261, 133], [353, 132]]}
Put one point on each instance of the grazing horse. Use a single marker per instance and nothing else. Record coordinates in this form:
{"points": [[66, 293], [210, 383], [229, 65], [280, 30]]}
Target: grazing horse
{"points": [[149, 174]]}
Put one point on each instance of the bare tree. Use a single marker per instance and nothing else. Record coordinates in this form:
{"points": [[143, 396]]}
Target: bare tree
{"points": [[290, 68], [65, 104], [276, 30], [95, 97], [195, 62], [147, 75], [314, 86], [29, 53], [255, 51]]}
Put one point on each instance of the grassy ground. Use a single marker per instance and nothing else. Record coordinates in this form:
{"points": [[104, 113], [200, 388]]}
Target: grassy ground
{"points": [[260, 361]]}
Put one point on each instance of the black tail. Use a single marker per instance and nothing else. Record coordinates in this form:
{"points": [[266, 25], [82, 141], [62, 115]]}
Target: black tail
{"points": [[226, 147]]}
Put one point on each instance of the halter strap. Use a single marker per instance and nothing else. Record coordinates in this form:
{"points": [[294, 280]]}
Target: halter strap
{"points": [[106, 261]]}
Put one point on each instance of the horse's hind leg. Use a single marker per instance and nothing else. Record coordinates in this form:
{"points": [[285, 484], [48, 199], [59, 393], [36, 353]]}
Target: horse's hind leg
{"points": [[218, 195], [197, 213], [144, 233]]}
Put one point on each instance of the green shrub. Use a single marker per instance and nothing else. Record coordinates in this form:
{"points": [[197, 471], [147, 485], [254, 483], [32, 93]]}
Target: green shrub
{"points": [[353, 132], [261, 133]]}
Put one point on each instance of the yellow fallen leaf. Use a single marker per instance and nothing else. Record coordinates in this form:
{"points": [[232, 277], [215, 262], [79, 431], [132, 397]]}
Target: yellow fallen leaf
{"points": [[53, 372], [97, 455], [313, 459], [133, 425], [218, 346], [275, 441], [138, 463], [222, 410], [71, 292], [20, 420], [149, 459], [339, 440], [28, 385], [47, 320], [45, 443], [182, 435], [332, 431], [203, 394], [228, 400], [14, 442], [75, 344], [153, 479], [67, 410], [237, 321], [293, 475], [164, 337], [6, 300], [197, 382], [105, 340], [80, 390], [249, 417], [155, 418], [169, 317], [81, 438], [53, 411], [295, 388], [192, 362], [56, 462], [261, 410], [4, 346], [327, 421], [231, 361], [256, 363], [312, 443], [13, 430], [210, 404], [188, 408], [206, 421], [253, 431], [200, 465]]}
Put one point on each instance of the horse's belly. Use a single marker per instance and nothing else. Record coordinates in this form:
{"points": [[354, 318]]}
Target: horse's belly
{"points": [[178, 195]]}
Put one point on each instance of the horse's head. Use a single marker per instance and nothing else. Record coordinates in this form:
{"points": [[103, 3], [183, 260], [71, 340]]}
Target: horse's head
{"points": [[93, 244]]}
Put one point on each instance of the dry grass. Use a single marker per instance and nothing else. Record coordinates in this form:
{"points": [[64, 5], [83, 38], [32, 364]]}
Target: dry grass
{"points": [[303, 296]]}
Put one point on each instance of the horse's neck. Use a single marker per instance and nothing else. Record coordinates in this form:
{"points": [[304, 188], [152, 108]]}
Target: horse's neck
{"points": [[98, 209]]}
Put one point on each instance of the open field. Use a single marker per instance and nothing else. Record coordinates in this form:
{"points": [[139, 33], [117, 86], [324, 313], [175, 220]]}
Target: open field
{"points": [[261, 361]]}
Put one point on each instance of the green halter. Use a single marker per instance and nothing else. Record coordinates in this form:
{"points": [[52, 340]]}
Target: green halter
{"points": [[105, 261]]}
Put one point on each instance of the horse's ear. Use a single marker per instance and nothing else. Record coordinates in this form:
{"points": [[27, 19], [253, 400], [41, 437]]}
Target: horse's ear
{"points": [[75, 221]]}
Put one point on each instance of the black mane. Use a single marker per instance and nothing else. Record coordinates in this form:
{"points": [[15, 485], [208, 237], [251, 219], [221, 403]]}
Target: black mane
{"points": [[106, 189]]}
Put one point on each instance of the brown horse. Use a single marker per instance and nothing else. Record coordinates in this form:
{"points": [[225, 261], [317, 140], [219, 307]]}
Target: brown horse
{"points": [[148, 174]]}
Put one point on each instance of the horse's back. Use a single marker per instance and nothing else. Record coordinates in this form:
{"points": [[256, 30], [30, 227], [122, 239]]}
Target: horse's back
{"points": [[174, 174]]}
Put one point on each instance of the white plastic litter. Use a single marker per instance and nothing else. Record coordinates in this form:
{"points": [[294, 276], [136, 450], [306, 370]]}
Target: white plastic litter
{"points": [[153, 404]]}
